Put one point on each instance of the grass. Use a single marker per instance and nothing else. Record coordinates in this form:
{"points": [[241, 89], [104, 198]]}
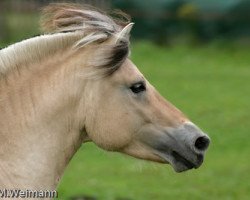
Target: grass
{"points": [[209, 84]]}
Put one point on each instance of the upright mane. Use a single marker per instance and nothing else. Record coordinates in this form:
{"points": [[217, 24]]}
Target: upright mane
{"points": [[71, 26], [73, 17]]}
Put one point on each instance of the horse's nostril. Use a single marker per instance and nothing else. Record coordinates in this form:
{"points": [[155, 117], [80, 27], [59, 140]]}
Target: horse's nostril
{"points": [[202, 143]]}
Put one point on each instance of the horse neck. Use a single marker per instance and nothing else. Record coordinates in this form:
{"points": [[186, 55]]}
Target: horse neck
{"points": [[40, 125]]}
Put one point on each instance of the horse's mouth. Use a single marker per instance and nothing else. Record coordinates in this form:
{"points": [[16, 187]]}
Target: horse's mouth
{"points": [[179, 162], [184, 161]]}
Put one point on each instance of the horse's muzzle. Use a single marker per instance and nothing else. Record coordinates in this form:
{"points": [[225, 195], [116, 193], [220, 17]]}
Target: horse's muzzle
{"points": [[183, 147]]}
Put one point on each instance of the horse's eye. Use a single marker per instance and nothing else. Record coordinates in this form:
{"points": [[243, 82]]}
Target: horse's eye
{"points": [[138, 87]]}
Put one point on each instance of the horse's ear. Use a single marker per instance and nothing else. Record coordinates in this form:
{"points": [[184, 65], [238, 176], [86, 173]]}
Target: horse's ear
{"points": [[124, 34]]}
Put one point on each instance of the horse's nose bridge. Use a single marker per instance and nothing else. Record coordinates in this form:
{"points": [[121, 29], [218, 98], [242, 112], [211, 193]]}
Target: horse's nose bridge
{"points": [[191, 137], [167, 113]]}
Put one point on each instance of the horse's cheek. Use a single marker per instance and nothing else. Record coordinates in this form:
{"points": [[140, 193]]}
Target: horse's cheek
{"points": [[112, 136]]}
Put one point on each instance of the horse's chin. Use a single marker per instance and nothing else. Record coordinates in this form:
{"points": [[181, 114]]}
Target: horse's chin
{"points": [[144, 154]]}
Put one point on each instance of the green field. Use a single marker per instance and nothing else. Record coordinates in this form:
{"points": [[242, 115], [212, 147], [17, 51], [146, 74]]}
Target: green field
{"points": [[209, 84]]}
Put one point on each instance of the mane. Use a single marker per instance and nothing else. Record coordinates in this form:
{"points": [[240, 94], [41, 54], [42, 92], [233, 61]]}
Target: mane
{"points": [[71, 26]]}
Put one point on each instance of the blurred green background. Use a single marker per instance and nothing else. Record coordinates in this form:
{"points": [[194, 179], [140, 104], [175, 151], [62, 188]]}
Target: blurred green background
{"points": [[196, 53]]}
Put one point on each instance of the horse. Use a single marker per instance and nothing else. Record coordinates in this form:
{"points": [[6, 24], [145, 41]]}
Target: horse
{"points": [[74, 84]]}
